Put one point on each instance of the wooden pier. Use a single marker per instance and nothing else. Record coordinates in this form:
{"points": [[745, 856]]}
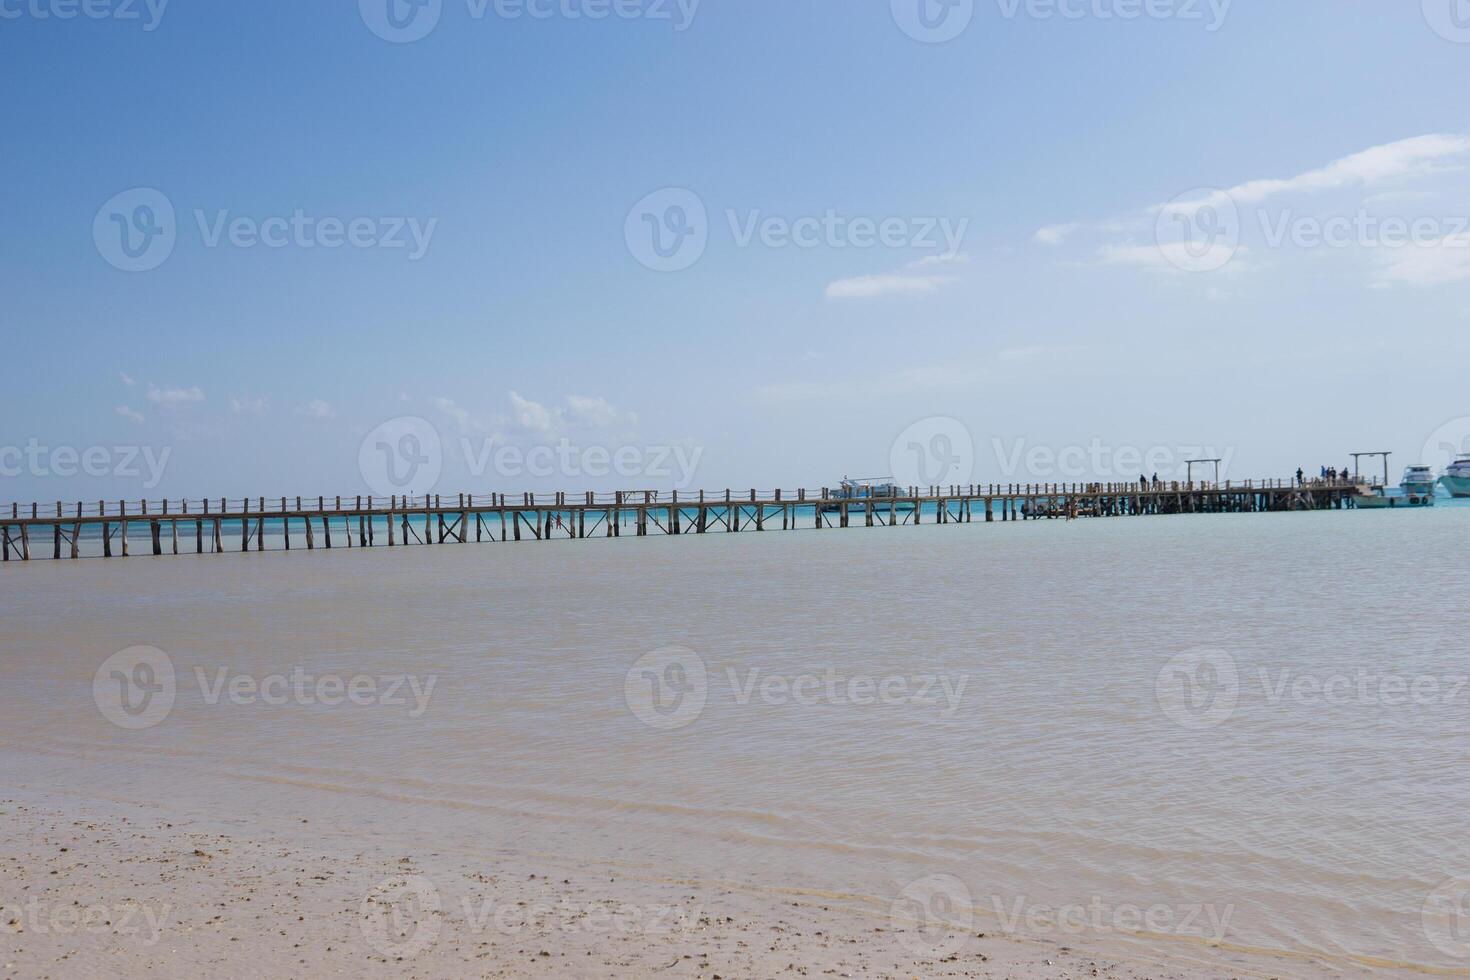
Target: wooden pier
{"points": [[218, 525]]}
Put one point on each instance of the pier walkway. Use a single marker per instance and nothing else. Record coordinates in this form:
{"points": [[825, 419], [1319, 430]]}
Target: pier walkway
{"points": [[213, 526]]}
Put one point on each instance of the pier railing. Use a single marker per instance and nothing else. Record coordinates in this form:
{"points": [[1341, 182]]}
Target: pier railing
{"points": [[218, 524], [360, 503]]}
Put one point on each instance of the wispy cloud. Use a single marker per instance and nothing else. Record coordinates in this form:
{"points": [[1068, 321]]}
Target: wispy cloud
{"points": [[579, 412], [460, 416], [129, 414], [1173, 256], [174, 397], [318, 409], [914, 277], [248, 406], [1379, 173], [1419, 156], [127, 379], [1424, 264], [1054, 234], [919, 378]]}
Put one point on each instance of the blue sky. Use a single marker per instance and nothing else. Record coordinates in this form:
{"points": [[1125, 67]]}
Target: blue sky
{"points": [[489, 175]]}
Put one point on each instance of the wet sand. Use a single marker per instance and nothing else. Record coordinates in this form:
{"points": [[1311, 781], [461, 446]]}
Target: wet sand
{"points": [[97, 888]]}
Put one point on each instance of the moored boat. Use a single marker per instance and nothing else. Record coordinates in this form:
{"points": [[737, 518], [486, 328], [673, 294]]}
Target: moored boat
{"points": [[1456, 477], [1418, 481], [875, 489]]}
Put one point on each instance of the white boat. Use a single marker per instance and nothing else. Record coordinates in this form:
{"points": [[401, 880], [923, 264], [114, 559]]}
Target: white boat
{"points": [[1415, 490], [1418, 481], [1456, 478], [1382, 498]]}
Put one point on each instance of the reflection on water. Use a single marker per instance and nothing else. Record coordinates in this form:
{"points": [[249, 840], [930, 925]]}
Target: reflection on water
{"points": [[1262, 715]]}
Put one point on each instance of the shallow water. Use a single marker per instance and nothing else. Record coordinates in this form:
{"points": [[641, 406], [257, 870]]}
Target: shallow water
{"points": [[1250, 728]]}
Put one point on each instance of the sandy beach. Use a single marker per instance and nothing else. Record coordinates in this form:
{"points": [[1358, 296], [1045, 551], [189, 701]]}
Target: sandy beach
{"points": [[96, 888]]}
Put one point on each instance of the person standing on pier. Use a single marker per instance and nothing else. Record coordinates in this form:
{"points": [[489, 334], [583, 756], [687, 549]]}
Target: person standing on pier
{"points": [[1299, 476]]}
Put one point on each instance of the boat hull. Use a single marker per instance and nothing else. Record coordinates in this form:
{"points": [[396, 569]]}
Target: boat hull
{"points": [[1458, 486], [1376, 501]]}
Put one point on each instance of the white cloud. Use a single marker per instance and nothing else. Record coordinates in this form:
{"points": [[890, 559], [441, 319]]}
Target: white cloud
{"points": [[1054, 234], [1416, 157], [596, 412], [907, 280], [174, 397], [1425, 264], [533, 415], [130, 414], [248, 406], [127, 379], [579, 412], [1173, 257], [318, 409], [460, 416], [867, 287]]}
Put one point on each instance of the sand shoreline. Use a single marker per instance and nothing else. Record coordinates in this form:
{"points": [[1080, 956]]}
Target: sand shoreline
{"points": [[97, 887]]}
